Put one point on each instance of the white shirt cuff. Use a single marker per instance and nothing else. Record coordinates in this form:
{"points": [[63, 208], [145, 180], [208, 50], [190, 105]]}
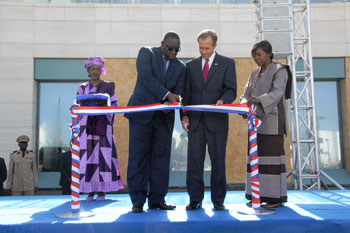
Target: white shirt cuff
{"points": [[166, 95]]}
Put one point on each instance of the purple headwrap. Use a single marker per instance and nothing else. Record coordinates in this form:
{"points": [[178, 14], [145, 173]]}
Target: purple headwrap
{"points": [[96, 61]]}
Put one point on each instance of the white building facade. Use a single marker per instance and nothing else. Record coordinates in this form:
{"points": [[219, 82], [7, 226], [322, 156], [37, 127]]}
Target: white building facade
{"points": [[64, 30]]}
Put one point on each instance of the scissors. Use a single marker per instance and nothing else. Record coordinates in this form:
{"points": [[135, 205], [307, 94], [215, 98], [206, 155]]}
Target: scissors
{"points": [[180, 99]]}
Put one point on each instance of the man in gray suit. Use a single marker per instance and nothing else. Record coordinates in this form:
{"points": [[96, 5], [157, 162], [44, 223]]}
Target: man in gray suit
{"points": [[210, 79], [160, 79]]}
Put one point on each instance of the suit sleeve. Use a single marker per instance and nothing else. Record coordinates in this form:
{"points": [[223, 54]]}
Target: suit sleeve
{"points": [[10, 173], [187, 94], [247, 92], [145, 75], [230, 83], [269, 100], [35, 172], [3, 171]]}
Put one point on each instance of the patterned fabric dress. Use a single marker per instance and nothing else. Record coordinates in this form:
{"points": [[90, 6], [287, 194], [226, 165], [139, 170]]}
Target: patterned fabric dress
{"points": [[272, 170], [99, 170]]}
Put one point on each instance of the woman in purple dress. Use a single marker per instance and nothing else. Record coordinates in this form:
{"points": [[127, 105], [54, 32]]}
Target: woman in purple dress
{"points": [[99, 170]]}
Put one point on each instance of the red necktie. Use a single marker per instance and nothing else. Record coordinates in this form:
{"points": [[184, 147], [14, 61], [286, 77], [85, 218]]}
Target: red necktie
{"points": [[205, 70]]}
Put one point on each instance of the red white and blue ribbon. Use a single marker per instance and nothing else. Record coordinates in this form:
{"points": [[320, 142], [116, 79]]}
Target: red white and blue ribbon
{"points": [[75, 143], [253, 125], [91, 111], [222, 108]]}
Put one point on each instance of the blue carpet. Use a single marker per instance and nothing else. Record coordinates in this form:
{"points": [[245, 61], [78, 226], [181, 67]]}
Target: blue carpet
{"points": [[306, 211]]}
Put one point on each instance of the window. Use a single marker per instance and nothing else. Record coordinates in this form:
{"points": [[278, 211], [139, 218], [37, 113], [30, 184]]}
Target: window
{"points": [[54, 118], [328, 122], [58, 83], [327, 72]]}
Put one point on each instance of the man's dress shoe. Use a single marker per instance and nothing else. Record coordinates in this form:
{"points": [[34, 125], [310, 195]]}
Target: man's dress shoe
{"points": [[219, 206], [193, 205], [273, 205], [162, 206], [137, 208]]}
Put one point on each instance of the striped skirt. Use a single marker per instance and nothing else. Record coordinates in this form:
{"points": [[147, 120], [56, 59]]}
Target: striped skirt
{"points": [[272, 169]]}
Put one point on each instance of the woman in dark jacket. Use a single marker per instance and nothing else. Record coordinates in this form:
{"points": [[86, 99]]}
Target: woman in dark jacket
{"points": [[3, 175]]}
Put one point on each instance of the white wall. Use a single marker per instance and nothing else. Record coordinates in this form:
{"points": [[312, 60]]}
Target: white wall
{"points": [[330, 29]]}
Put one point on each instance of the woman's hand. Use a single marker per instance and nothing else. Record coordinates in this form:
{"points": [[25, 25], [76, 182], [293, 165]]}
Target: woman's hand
{"points": [[253, 100]]}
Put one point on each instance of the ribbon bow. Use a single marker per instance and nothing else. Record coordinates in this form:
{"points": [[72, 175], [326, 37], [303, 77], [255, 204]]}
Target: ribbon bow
{"points": [[253, 123]]}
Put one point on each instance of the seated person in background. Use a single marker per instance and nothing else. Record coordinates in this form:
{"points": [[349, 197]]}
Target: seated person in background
{"points": [[66, 170], [3, 175]]}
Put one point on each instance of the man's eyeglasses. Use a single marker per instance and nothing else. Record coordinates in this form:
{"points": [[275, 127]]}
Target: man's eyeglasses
{"points": [[170, 49]]}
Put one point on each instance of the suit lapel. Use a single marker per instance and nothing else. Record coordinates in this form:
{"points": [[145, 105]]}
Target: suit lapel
{"points": [[160, 62], [265, 81], [198, 70], [263, 84]]}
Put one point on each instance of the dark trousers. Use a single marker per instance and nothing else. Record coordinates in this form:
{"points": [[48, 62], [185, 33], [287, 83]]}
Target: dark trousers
{"points": [[66, 189], [2, 192], [149, 159], [197, 141]]}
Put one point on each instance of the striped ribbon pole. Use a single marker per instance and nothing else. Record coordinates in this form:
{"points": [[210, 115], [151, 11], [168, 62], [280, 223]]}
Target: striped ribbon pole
{"points": [[253, 125], [75, 142]]}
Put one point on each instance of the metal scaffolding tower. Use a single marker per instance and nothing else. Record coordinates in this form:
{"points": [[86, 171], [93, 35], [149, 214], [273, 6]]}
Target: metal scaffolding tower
{"points": [[286, 24]]}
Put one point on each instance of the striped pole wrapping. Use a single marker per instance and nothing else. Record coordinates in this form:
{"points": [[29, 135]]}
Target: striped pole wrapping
{"points": [[253, 125], [75, 143]]}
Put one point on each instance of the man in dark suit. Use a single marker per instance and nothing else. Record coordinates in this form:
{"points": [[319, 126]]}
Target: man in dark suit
{"points": [[66, 172], [210, 79], [160, 79], [3, 175]]}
